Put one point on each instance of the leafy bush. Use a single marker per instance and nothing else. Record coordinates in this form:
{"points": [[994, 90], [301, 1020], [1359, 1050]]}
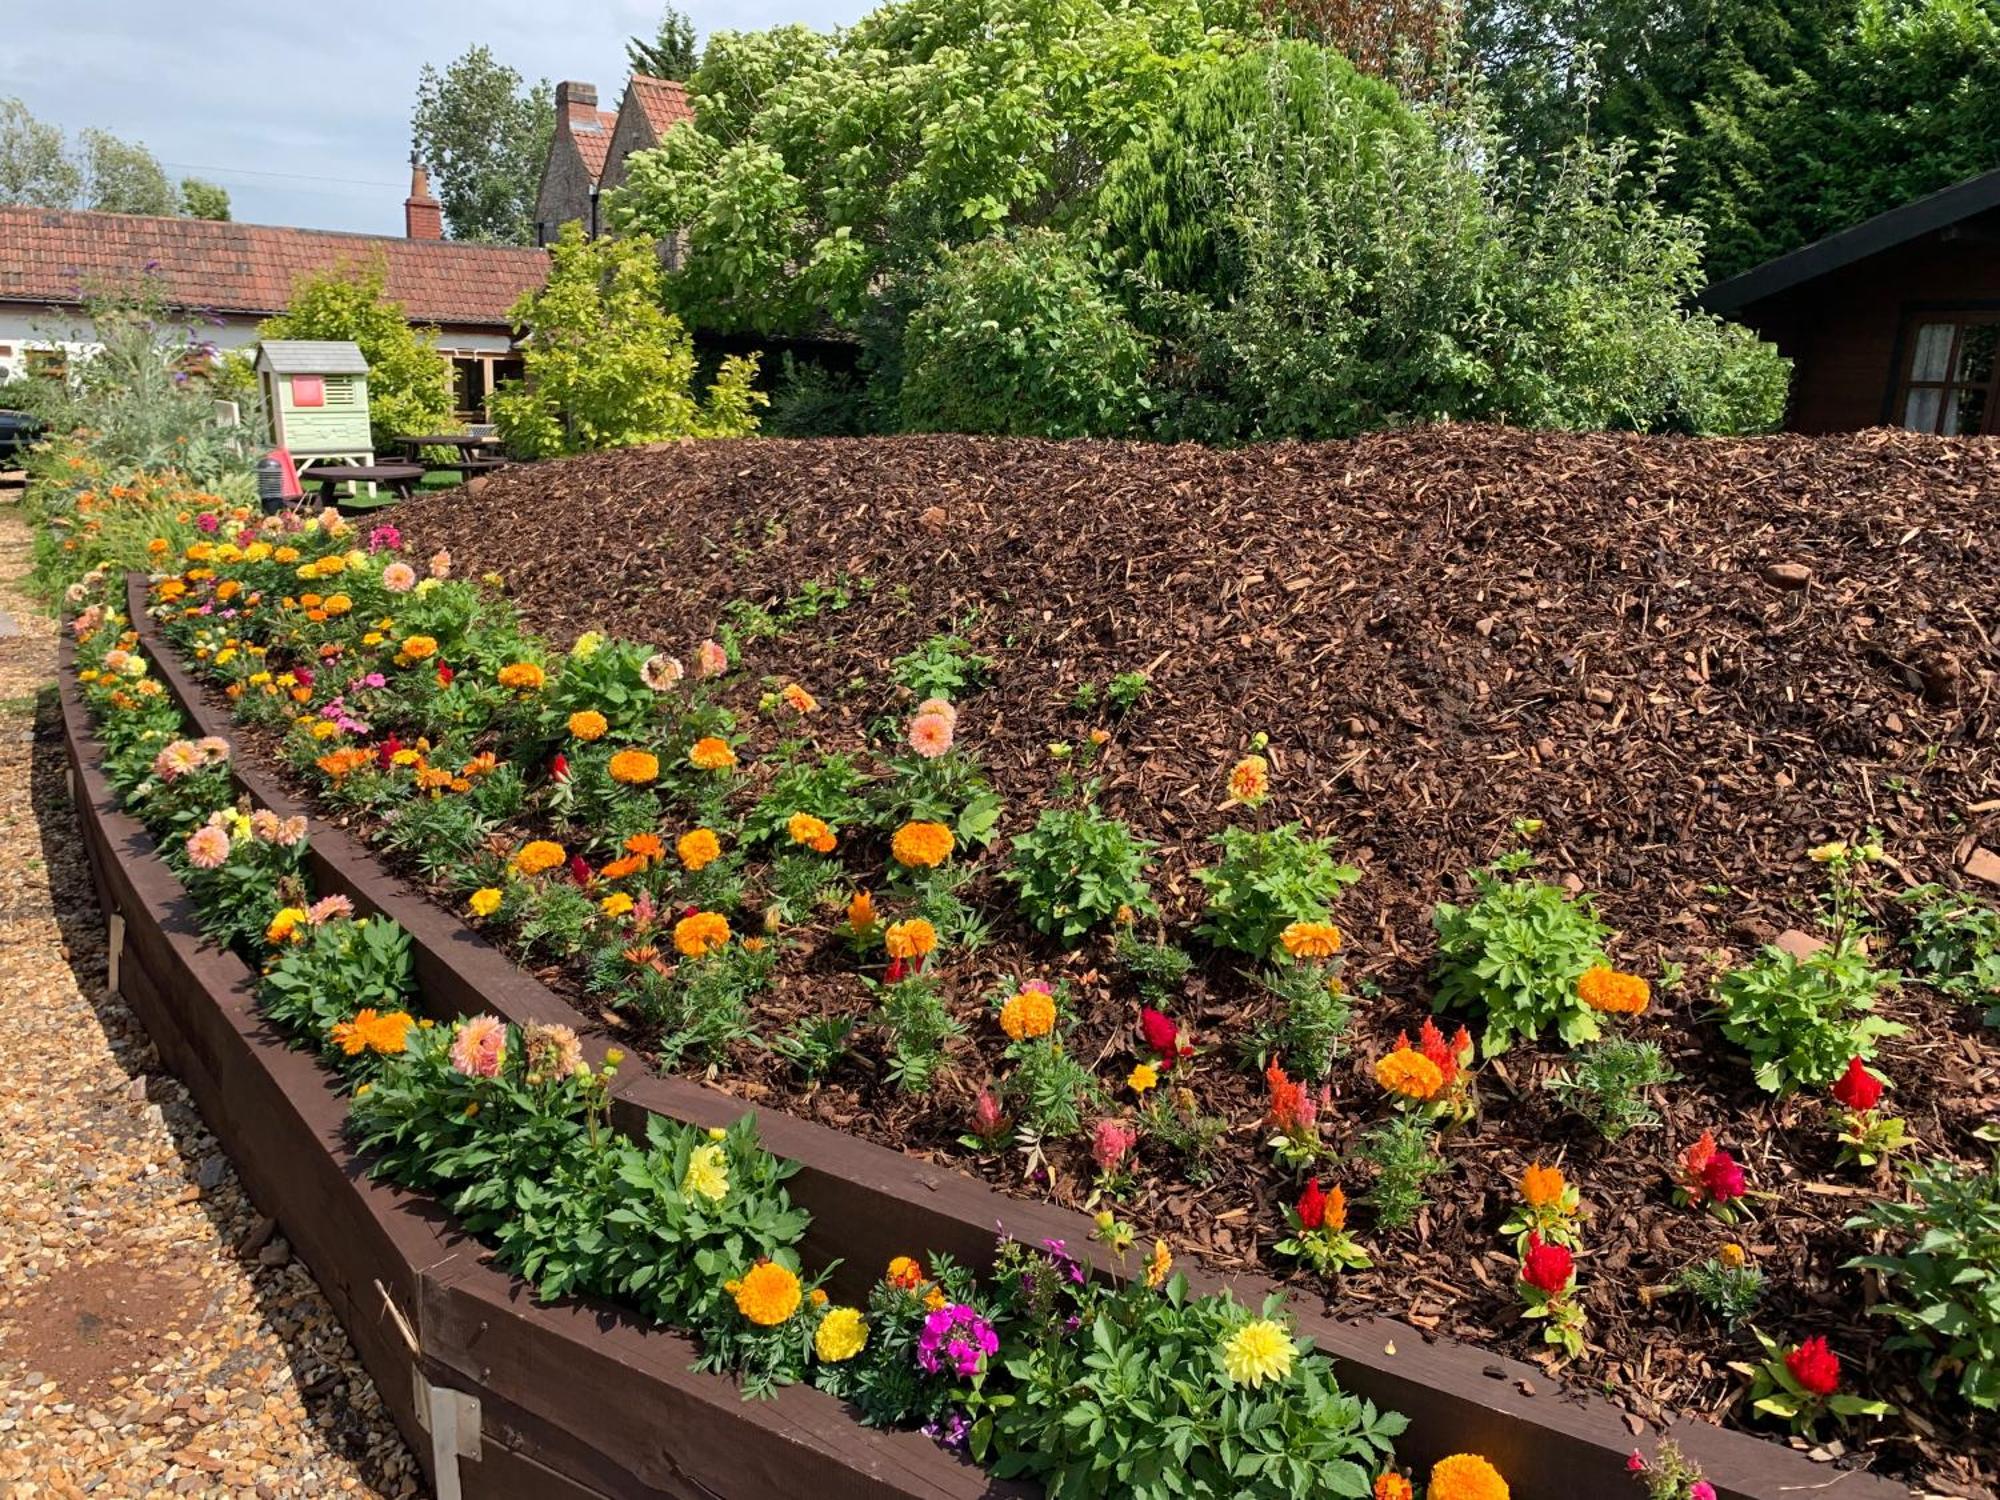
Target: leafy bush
{"points": [[1310, 1029], [607, 366], [945, 666], [1801, 1019], [1014, 334], [1265, 881], [1077, 869], [1156, 968], [1955, 944], [1515, 955], [1941, 1279], [336, 970], [1405, 1157], [1608, 1083]]}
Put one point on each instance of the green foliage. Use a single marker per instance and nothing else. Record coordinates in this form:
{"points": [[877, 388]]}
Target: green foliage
{"points": [[606, 365], [204, 200], [1049, 1089], [1730, 1293], [1015, 334], [1265, 881], [1076, 869], [1159, 969], [812, 401], [484, 135], [815, 1045], [409, 382], [123, 177], [334, 971], [1941, 1274], [1608, 1083], [1405, 1157], [1310, 1029], [917, 1027], [1955, 944], [670, 52], [945, 666], [35, 167], [1801, 1019], [1125, 690], [1514, 956]]}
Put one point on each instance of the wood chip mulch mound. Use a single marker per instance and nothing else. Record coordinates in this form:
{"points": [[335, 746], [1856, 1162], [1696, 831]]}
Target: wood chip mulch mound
{"points": [[1692, 659]]}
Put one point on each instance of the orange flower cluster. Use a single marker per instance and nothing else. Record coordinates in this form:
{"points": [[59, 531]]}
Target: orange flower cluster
{"points": [[711, 754], [1028, 1014], [373, 1031], [1409, 1073], [522, 677], [921, 845], [340, 763], [701, 934], [766, 1294], [1606, 989]]}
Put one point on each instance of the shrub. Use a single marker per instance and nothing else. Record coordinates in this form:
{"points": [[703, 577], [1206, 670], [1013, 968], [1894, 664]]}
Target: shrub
{"points": [[945, 666], [1608, 1083], [1265, 881], [337, 969], [1801, 1019], [1077, 869], [1156, 968], [1955, 944], [1014, 334], [1515, 955], [1941, 1281]]}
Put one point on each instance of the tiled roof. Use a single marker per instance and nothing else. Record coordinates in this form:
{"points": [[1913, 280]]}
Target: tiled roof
{"points": [[663, 102], [45, 256], [590, 127]]}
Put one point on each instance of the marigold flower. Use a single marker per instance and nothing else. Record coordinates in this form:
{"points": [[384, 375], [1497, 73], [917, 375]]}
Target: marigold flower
{"points": [[635, 767], [1409, 1074], [1542, 1186], [905, 1273], [698, 848], [767, 1294], [1143, 1076], [930, 735], [480, 1047], [384, 1033], [1393, 1486], [1311, 940], [910, 939], [1258, 1351], [1466, 1476], [921, 845], [1815, 1366], [522, 677], [701, 934], [1731, 1254], [710, 660], [485, 901], [1158, 1264], [617, 904], [417, 647], [646, 846], [711, 754], [1250, 780], [588, 724], [842, 1334], [798, 700], [1030, 1013], [707, 1174], [1547, 1268], [285, 925], [1857, 1088], [538, 856], [811, 832], [1606, 989]]}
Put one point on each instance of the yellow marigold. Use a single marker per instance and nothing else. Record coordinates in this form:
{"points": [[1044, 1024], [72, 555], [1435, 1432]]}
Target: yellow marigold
{"points": [[698, 848], [522, 677], [485, 901], [766, 1294], [417, 647], [616, 904], [1409, 1073], [1542, 1186], [285, 925], [588, 724], [635, 767], [798, 699], [812, 832], [1393, 1487], [540, 855], [1030, 1013], [842, 1334], [910, 939], [1465, 1476], [1731, 1254], [711, 754], [1311, 939], [336, 604], [1606, 989], [285, 555], [701, 934], [921, 845], [1144, 1076], [1250, 779], [1258, 1351]]}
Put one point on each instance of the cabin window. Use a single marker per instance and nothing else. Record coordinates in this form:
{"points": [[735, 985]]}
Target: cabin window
{"points": [[1948, 384], [308, 390]]}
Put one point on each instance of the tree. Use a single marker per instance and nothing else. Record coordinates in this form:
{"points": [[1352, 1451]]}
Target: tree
{"points": [[123, 177], [485, 137], [409, 382], [35, 168], [203, 200], [607, 365], [670, 54]]}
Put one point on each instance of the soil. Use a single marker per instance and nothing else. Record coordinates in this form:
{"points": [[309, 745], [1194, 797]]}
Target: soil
{"points": [[1692, 660], [84, 1327]]}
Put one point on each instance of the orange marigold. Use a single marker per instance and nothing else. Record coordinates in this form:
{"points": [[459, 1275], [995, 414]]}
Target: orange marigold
{"points": [[1466, 1476], [522, 676], [701, 934], [1311, 939], [339, 763], [417, 647], [1030, 1013], [905, 1273], [540, 855], [766, 1294], [1606, 989], [1393, 1487], [921, 845], [1409, 1074], [588, 724], [635, 767], [711, 754], [698, 848], [813, 833], [911, 939], [1541, 1186], [646, 846]]}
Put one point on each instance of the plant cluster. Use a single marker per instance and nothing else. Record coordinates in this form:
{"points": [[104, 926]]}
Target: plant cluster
{"points": [[1516, 956]]}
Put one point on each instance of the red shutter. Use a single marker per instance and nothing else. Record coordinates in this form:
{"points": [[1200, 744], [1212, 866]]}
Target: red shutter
{"points": [[308, 390]]}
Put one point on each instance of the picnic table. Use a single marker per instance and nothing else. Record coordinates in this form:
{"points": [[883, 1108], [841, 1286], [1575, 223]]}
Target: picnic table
{"points": [[402, 478], [476, 454]]}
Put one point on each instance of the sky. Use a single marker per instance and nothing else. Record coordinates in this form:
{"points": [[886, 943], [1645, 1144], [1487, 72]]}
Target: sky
{"points": [[303, 110]]}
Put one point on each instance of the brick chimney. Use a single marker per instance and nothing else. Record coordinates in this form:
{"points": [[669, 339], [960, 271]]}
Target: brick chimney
{"points": [[422, 218], [582, 95]]}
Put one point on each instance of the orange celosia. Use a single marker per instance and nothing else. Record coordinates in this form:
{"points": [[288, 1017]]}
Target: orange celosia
{"points": [[522, 677], [861, 912], [698, 848], [1335, 1218], [1291, 1106], [910, 939], [1314, 940], [701, 934], [1542, 1186], [1028, 1014], [921, 845], [711, 754], [1608, 990], [635, 767]]}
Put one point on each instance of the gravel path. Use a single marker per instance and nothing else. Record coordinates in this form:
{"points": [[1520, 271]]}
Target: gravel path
{"points": [[156, 1338]]}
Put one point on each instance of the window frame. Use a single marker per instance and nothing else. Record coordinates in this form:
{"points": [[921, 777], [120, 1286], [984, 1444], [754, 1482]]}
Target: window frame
{"points": [[1961, 316]]}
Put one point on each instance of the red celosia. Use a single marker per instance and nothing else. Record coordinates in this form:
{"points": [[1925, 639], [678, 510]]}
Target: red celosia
{"points": [[385, 753], [1547, 1268], [1431, 1042], [579, 869], [1312, 1206], [1163, 1035], [559, 767], [1815, 1366], [445, 675], [1722, 1177], [1292, 1109], [1858, 1088]]}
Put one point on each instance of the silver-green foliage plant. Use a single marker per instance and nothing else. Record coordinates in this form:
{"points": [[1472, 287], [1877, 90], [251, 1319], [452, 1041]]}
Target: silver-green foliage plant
{"points": [[1609, 1083], [1515, 955]]}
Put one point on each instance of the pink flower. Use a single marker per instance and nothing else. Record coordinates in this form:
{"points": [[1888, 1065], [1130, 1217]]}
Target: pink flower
{"points": [[930, 735], [326, 909], [480, 1047], [399, 578], [384, 537], [710, 660], [1701, 1489], [441, 563], [1111, 1142], [1722, 1176], [208, 847], [209, 522], [989, 1121]]}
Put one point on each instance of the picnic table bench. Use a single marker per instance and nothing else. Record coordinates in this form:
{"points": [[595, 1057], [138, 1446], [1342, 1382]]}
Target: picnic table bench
{"points": [[401, 478], [476, 454]]}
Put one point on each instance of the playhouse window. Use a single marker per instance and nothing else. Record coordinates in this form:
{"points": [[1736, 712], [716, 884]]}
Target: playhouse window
{"points": [[308, 390]]}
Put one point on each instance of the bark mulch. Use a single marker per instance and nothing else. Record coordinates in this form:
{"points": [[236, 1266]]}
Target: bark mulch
{"points": [[1691, 659], [156, 1336]]}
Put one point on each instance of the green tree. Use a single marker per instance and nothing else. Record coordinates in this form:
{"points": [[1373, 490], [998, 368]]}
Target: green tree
{"points": [[123, 177], [35, 167], [203, 200], [409, 382], [485, 136], [671, 52], [607, 365]]}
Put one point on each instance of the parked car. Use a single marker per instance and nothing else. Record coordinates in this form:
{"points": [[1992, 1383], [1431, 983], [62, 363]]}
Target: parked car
{"points": [[17, 431]]}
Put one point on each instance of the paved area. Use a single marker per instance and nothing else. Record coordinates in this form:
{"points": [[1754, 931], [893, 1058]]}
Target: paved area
{"points": [[156, 1336]]}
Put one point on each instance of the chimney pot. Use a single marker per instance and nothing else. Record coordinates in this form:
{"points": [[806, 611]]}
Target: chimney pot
{"points": [[423, 219]]}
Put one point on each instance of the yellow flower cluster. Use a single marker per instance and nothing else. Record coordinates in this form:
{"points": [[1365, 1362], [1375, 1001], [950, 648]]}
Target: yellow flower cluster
{"points": [[1028, 1014], [538, 856], [698, 849], [701, 934]]}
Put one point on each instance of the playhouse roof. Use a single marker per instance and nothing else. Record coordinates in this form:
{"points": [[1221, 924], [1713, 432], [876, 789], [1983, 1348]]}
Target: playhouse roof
{"points": [[312, 357]]}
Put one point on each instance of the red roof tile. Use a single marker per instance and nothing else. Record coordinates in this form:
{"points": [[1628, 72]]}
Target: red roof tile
{"points": [[664, 102], [45, 256], [590, 128]]}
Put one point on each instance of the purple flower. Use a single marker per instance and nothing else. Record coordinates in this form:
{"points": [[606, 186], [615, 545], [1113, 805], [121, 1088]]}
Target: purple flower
{"points": [[956, 1333], [950, 1433]]}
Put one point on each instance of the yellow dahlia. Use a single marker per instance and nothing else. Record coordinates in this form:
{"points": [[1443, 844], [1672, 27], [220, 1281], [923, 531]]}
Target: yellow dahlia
{"points": [[1258, 1351], [707, 1173], [1250, 779]]}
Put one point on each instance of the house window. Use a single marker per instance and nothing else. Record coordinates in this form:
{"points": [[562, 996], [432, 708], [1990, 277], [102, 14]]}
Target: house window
{"points": [[468, 388], [1948, 387]]}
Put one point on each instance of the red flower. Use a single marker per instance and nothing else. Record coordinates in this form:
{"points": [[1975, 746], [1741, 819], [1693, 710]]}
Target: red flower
{"points": [[1431, 1042], [1547, 1268], [579, 869], [1815, 1366], [1163, 1035], [1722, 1177], [445, 675], [899, 970], [1312, 1206], [385, 753], [559, 767], [1858, 1088]]}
